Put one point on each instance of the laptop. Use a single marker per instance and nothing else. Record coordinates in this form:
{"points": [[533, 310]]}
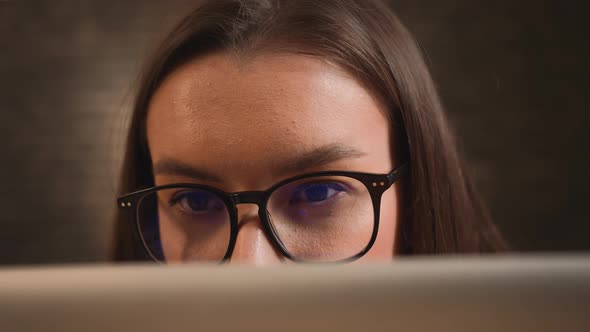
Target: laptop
{"points": [[459, 293]]}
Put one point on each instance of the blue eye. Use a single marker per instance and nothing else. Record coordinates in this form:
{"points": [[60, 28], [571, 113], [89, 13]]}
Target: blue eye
{"points": [[316, 192], [197, 202]]}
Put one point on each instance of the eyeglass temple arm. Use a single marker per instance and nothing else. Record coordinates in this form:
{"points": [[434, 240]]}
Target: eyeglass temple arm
{"points": [[397, 173]]}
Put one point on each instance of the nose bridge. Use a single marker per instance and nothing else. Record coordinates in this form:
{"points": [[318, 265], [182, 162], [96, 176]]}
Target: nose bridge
{"points": [[253, 245], [248, 197]]}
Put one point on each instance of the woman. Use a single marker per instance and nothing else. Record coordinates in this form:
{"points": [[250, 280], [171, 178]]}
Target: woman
{"points": [[306, 131]]}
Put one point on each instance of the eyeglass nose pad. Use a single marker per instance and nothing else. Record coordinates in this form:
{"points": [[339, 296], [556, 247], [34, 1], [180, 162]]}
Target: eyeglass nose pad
{"points": [[265, 215]]}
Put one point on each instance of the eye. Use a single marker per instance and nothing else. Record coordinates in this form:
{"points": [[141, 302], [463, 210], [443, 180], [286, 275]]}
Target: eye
{"points": [[197, 202], [316, 192]]}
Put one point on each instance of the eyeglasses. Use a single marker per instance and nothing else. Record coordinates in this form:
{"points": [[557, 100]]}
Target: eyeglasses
{"points": [[319, 217]]}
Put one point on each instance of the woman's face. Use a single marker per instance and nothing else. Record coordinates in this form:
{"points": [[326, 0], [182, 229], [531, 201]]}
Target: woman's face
{"points": [[246, 125]]}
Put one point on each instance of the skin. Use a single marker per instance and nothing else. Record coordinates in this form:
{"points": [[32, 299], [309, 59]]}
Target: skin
{"points": [[249, 122]]}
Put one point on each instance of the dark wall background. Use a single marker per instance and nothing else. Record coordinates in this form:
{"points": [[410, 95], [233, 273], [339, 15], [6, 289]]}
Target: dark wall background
{"points": [[513, 76]]}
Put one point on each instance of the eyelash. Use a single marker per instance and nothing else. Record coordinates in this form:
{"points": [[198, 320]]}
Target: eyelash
{"points": [[334, 186]]}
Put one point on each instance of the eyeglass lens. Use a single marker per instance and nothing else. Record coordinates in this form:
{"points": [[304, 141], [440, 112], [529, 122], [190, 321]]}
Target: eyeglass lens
{"points": [[318, 219]]}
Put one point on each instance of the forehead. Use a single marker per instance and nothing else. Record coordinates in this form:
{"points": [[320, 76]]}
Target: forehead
{"points": [[216, 112]]}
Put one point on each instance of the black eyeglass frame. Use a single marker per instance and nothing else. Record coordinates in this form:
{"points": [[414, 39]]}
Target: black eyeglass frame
{"points": [[376, 184]]}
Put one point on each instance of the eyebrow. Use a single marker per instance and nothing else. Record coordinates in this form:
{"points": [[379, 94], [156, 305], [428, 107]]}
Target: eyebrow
{"points": [[318, 157], [177, 167]]}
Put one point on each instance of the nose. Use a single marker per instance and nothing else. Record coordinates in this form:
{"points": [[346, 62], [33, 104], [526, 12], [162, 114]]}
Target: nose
{"points": [[253, 247]]}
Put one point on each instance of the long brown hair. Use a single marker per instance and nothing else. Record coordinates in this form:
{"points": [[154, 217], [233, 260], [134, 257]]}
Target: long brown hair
{"points": [[442, 212]]}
